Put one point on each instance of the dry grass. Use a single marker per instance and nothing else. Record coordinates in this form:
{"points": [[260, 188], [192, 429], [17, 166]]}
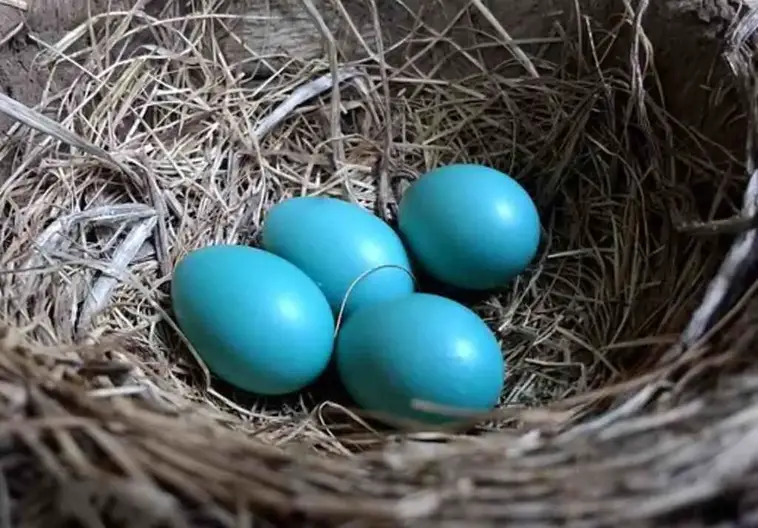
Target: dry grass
{"points": [[163, 147]]}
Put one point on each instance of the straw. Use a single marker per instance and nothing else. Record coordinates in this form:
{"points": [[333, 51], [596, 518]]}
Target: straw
{"points": [[631, 392]]}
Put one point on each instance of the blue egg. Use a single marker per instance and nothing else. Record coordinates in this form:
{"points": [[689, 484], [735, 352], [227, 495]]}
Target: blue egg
{"points": [[470, 226], [258, 322], [421, 347], [335, 242]]}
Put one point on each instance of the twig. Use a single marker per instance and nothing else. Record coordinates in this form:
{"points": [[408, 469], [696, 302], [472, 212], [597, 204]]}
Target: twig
{"points": [[11, 33], [736, 460], [737, 259], [632, 406], [53, 236], [518, 53], [334, 118], [743, 249], [382, 164], [730, 226], [298, 97], [124, 390], [18, 4], [161, 232], [44, 124], [103, 287]]}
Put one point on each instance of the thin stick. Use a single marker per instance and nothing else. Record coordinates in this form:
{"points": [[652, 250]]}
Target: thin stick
{"points": [[18, 4], [51, 238], [727, 226], [334, 118], [525, 61], [103, 287], [382, 164], [298, 97], [44, 124]]}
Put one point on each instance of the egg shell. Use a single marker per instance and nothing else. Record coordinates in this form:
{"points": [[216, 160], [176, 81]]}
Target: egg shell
{"points": [[470, 226], [257, 321], [335, 242], [423, 347]]}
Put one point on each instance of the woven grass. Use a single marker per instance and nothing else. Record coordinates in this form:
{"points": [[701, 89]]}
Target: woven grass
{"points": [[632, 394]]}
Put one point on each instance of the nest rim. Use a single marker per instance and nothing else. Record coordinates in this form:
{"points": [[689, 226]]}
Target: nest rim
{"points": [[175, 154]]}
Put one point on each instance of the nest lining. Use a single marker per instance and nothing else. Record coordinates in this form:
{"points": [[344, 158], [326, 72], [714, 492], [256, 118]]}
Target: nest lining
{"points": [[165, 147]]}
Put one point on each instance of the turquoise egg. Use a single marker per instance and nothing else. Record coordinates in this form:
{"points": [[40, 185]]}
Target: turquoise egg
{"points": [[469, 226], [335, 242], [257, 321], [421, 347]]}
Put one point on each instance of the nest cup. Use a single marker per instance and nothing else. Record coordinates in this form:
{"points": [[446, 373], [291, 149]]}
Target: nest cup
{"points": [[164, 126]]}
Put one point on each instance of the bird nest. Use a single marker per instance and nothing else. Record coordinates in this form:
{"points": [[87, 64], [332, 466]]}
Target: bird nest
{"points": [[632, 394]]}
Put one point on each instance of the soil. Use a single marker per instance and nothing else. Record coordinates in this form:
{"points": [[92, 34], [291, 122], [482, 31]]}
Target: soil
{"points": [[289, 31], [684, 34], [21, 76], [18, 78]]}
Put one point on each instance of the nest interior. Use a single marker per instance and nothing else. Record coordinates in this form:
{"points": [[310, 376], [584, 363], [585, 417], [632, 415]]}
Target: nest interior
{"points": [[165, 127]]}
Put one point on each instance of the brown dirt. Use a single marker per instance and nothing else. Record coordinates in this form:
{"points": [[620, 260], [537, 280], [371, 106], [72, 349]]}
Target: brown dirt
{"points": [[18, 78], [681, 33], [44, 21], [289, 31]]}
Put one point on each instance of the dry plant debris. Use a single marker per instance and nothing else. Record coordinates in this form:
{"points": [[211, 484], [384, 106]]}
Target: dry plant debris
{"points": [[160, 145]]}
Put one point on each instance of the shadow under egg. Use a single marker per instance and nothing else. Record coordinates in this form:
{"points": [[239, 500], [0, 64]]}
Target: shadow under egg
{"points": [[425, 283], [327, 387]]}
